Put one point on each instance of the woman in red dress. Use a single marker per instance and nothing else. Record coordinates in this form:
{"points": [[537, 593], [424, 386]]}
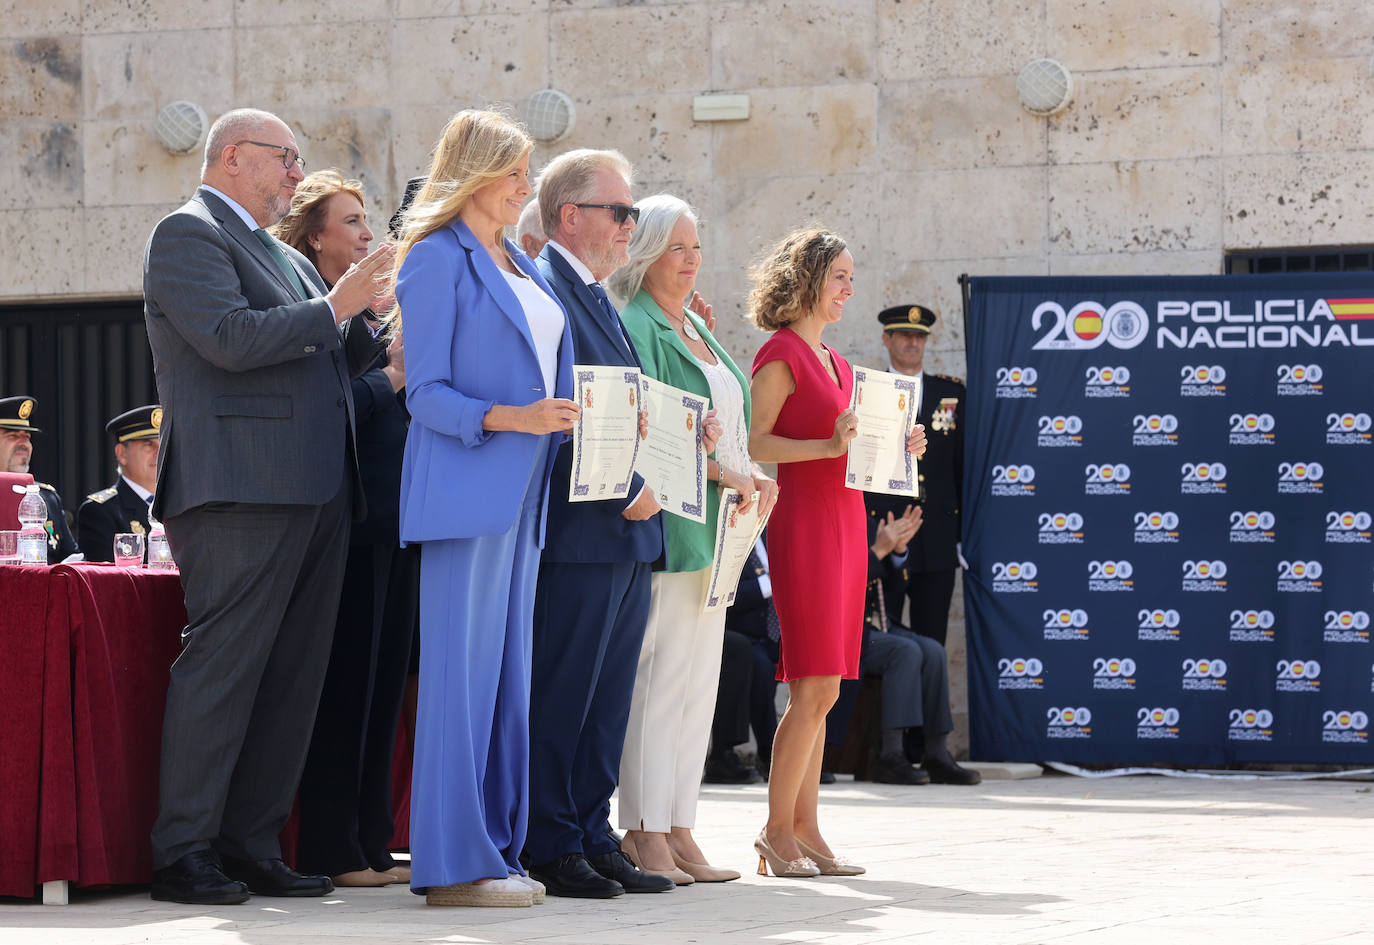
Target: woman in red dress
{"points": [[817, 538]]}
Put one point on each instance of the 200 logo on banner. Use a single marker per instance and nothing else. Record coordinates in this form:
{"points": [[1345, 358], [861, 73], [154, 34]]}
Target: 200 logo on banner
{"points": [[1069, 722], [1159, 722], [1297, 676], [1344, 727], [1201, 575], [1251, 725], [1345, 626], [1252, 626]]}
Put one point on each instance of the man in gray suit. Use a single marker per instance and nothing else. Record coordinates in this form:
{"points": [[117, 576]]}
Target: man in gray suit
{"points": [[255, 482]]}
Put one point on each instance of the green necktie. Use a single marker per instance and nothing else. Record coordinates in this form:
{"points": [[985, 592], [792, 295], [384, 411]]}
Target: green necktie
{"points": [[283, 263]]}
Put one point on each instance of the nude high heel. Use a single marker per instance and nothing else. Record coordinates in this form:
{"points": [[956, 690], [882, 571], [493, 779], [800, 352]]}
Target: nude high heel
{"points": [[704, 872], [769, 859], [831, 865], [679, 877]]}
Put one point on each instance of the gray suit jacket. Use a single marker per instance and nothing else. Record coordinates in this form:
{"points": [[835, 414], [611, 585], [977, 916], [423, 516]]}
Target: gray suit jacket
{"points": [[255, 394]]}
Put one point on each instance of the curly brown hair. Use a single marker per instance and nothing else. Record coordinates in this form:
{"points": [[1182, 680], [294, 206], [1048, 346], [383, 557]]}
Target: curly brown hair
{"points": [[308, 206], [789, 280]]}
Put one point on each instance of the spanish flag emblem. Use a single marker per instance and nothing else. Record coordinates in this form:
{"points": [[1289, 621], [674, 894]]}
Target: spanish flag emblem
{"points": [[1349, 310]]}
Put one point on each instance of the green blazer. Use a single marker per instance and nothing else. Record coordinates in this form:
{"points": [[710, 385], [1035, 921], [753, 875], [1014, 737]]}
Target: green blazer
{"points": [[689, 545]]}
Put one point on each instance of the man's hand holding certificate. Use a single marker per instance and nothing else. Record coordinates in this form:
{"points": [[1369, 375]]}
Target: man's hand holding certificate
{"points": [[672, 459], [606, 434], [880, 456], [738, 528]]}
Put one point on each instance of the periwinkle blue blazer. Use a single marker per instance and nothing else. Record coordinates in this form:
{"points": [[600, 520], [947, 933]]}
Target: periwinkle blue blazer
{"points": [[467, 347]]}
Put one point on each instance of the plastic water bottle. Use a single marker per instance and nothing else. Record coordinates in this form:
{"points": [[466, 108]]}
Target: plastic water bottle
{"points": [[159, 549], [33, 538]]}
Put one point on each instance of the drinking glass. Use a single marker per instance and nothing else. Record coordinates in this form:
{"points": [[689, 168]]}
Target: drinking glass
{"points": [[128, 550]]}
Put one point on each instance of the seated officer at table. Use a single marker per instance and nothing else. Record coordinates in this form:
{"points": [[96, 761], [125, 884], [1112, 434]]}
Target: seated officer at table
{"points": [[16, 451], [123, 507], [914, 669]]}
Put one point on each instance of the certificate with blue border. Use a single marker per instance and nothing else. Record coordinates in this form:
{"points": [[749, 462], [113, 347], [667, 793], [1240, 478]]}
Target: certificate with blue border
{"points": [[672, 459], [605, 438], [886, 405], [736, 533]]}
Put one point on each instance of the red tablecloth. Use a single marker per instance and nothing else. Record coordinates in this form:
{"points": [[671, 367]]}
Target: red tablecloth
{"points": [[85, 652], [83, 679]]}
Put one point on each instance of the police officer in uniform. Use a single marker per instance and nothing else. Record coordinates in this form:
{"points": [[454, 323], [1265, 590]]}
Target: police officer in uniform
{"points": [[16, 451], [123, 507], [928, 578]]}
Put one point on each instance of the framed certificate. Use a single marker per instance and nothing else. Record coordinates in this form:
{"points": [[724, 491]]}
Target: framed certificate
{"points": [[605, 438], [673, 459], [736, 533], [886, 405]]}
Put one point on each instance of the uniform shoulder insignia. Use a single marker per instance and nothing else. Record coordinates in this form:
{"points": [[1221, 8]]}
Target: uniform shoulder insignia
{"points": [[44, 485], [951, 378], [104, 495]]}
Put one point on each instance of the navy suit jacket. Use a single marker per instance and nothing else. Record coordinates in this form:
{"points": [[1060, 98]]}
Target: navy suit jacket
{"points": [[467, 347], [592, 532]]}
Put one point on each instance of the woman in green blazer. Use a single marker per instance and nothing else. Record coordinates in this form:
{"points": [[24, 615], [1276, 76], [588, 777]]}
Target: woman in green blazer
{"points": [[679, 663]]}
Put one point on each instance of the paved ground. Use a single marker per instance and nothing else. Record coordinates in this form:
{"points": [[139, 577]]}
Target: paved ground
{"points": [[1054, 859]]}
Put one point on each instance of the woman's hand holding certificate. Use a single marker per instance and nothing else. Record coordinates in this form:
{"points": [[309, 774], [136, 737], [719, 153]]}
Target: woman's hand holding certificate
{"points": [[880, 456], [606, 434], [673, 458], [739, 527]]}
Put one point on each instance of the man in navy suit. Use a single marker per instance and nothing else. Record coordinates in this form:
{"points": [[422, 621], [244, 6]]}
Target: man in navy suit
{"points": [[592, 599]]}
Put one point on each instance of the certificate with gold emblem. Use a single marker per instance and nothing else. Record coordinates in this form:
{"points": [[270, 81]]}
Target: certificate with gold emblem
{"points": [[886, 405], [736, 532], [672, 458], [605, 439]]}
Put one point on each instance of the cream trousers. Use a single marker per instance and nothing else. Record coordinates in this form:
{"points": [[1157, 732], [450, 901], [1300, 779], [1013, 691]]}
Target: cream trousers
{"points": [[672, 707]]}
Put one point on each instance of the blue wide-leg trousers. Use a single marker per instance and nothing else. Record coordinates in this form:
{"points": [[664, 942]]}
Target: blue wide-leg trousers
{"points": [[470, 783]]}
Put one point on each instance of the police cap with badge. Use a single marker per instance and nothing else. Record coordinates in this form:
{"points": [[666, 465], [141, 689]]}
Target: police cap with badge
{"points": [[141, 423], [915, 318], [15, 413]]}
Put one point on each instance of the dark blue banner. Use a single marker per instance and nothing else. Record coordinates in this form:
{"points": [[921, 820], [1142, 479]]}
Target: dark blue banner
{"points": [[1167, 516]]}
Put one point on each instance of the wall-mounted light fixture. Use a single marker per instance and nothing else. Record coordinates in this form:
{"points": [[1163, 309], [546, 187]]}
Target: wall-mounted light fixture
{"points": [[549, 115], [181, 126], [1045, 86]]}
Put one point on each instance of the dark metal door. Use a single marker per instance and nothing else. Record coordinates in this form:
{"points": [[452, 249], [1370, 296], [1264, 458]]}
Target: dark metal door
{"points": [[85, 362]]}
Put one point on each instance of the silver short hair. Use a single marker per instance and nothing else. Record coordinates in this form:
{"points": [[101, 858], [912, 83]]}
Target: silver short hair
{"points": [[569, 178], [529, 222], [231, 127], [657, 217]]}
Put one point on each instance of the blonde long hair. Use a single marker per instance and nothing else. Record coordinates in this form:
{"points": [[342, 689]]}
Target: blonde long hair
{"points": [[477, 147]]}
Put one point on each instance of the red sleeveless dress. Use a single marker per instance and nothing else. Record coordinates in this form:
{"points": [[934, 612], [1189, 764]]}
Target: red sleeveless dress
{"points": [[817, 536]]}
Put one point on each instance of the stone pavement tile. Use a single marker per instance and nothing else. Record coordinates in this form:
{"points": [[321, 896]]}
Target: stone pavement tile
{"points": [[1053, 860]]}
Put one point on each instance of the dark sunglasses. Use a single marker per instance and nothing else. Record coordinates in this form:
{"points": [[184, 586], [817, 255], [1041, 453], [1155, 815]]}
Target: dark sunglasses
{"points": [[289, 156], [619, 211]]}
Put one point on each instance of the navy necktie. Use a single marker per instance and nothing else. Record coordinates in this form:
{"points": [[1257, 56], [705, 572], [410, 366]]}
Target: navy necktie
{"points": [[607, 309]]}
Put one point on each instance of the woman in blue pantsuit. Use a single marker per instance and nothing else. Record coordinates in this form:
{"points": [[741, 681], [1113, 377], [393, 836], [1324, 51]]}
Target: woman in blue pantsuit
{"points": [[488, 359]]}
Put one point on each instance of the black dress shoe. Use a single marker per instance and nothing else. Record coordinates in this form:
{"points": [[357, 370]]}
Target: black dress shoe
{"points": [[895, 769], [571, 875], [827, 777], [617, 866], [946, 771], [197, 879], [272, 877], [727, 768]]}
